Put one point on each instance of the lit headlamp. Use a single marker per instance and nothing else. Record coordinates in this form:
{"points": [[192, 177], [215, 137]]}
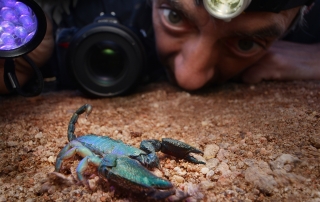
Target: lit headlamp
{"points": [[228, 9], [22, 28]]}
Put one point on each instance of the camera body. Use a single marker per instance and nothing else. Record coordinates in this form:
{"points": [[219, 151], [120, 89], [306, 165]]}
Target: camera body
{"points": [[107, 47]]}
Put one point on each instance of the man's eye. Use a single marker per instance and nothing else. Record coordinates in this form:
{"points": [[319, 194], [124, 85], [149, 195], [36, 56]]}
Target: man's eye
{"points": [[246, 45], [172, 16]]}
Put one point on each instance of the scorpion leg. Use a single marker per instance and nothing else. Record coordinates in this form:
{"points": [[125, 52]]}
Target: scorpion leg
{"points": [[68, 147], [180, 150], [83, 165], [66, 154]]}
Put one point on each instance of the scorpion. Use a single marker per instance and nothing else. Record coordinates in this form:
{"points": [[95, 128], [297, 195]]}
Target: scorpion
{"points": [[122, 164]]}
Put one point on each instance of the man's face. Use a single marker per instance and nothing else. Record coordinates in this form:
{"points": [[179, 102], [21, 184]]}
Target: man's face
{"points": [[199, 50]]}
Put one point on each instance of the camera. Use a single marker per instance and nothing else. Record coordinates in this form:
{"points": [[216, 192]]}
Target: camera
{"points": [[107, 47]]}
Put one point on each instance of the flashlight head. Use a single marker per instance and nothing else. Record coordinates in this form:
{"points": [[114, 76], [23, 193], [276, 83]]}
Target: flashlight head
{"points": [[22, 27], [225, 9]]}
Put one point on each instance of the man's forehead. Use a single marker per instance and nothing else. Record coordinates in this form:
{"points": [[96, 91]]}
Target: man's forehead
{"points": [[189, 8], [178, 3]]}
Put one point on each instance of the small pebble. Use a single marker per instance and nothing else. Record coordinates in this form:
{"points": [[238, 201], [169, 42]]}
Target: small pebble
{"points": [[240, 164], [233, 168], [178, 179], [315, 141], [3, 199], [12, 143], [316, 194], [179, 171], [249, 162], [222, 154], [210, 151], [51, 159], [103, 198], [231, 193], [262, 180], [249, 154], [204, 170], [223, 168], [39, 135], [212, 163], [234, 148], [157, 173], [206, 185], [287, 167], [282, 160], [205, 123], [239, 190], [93, 182], [210, 174], [263, 151], [263, 140]]}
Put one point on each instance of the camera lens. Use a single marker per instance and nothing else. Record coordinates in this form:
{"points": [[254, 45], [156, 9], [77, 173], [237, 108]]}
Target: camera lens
{"points": [[106, 59]]}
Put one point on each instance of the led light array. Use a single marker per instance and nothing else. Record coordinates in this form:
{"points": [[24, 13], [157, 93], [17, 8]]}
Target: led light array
{"points": [[18, 24]]}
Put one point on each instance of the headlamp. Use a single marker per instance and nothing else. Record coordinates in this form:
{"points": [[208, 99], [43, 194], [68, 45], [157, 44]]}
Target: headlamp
{"points": [[225, 9], [228, 9], [22, 28]]}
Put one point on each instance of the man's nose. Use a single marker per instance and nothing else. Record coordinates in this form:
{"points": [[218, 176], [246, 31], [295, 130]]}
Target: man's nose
{"points": [[195, 63]]}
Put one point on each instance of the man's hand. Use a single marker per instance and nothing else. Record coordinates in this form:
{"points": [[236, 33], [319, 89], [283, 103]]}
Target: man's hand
{"points": [[286, 61]]}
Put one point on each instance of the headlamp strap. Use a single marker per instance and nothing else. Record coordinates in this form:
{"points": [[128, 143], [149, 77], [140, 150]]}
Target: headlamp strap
{"points": [[276, 6], [12, 83]]}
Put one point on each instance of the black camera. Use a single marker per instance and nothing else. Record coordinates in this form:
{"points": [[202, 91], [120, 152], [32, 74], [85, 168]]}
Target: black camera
{"points": [[107, 47]]}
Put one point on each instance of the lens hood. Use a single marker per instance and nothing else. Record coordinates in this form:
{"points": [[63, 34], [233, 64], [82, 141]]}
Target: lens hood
{"points": [[105, 59]]}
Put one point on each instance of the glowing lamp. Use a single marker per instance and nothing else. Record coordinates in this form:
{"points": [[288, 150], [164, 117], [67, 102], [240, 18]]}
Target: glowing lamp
{"points": [[22, 28], [226, 9]]}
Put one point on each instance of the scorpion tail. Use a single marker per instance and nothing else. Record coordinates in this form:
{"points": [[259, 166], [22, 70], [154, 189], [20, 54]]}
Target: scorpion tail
{"points": [[71, 128]]}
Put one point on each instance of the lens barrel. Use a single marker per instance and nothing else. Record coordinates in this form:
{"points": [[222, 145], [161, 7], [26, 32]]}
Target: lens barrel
{"points": [[105, 59]]}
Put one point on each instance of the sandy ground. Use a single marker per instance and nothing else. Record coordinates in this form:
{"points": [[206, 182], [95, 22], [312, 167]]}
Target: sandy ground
{"points": [[260, 143]]}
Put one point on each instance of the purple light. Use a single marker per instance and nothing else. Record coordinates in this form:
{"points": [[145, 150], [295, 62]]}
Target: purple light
{"points": [[18, 24], [9, 14], [20, 32], [7, 26], [28, 23], [23, 9], [9, 3]]}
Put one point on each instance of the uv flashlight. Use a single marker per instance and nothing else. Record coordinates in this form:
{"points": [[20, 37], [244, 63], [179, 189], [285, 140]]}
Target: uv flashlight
{"points": [[22, 28]]}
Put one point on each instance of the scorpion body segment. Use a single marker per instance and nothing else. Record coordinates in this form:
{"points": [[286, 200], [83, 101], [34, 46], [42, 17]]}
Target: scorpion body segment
{"points": [[104, 145], [120, 163]]}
